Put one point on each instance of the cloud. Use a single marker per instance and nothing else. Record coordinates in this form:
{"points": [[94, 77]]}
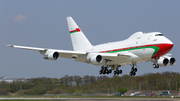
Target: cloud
{"points": [[20, 18]]}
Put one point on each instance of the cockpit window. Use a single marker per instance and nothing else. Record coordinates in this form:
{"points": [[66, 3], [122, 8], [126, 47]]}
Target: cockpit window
{"points": [[159, 35]]}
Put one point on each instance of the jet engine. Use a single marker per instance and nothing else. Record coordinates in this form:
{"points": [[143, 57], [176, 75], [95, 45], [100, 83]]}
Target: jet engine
{"points": [[95, 59], [163, 62], [166, 61], [172, 60], [51, 55]]}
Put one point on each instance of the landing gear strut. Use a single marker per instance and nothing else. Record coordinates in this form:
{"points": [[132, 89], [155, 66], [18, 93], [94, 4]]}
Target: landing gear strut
{"points": [[133, 71]]}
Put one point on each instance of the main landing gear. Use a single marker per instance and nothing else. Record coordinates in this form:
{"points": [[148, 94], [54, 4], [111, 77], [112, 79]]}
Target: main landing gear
{"points": [[133, 71], [117, 72], [105, 70]]}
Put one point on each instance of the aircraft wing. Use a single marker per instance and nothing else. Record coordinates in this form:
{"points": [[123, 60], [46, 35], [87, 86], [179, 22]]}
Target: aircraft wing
{"points": [[63, 53], [77, 55]]}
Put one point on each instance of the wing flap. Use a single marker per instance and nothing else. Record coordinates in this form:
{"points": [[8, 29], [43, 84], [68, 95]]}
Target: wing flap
{"points": [[71, 54], [114, 55]]}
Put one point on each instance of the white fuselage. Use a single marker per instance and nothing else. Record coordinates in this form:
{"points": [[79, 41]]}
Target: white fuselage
{"points": [[143, 47]]}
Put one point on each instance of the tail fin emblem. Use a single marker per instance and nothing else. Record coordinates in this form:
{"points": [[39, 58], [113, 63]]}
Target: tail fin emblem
{"points": [[76, 30]]}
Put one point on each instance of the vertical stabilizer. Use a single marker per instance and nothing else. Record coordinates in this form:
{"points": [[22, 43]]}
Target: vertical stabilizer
{"points": [[79, 40]]}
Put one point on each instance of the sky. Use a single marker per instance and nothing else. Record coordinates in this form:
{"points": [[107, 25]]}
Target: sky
{"points": [[42, 23]]}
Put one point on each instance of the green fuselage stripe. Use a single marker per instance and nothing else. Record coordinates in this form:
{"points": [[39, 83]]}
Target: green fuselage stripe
{"points": [[154, 47]]}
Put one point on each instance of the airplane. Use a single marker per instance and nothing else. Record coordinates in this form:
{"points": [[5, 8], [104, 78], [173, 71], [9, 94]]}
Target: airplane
{"points": [[139, 47]]}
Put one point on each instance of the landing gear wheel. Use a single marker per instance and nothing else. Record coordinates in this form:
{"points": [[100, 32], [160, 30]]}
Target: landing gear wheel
{"points": [[114, 72], [130, 74], [117, 72], [100, 72], [155, 65], [134, 73], [120, 71], [104, 71], [110, 71], [135, 69]]}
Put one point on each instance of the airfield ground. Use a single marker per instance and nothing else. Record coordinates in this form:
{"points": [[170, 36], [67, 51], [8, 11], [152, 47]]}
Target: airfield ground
{"points": [[72, 98]]}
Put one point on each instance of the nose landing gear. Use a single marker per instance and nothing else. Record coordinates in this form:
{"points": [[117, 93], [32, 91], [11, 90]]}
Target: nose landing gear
{"points": [[156, 66]]}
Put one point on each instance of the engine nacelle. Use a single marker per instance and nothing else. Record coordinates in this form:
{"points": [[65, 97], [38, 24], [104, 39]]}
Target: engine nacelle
{"points": [[172, 60], [163, 62], [51, 55], [166, 61], [95, 59]]}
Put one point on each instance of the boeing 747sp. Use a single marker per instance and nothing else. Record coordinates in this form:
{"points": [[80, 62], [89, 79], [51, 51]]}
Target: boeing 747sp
{"points": [[139, 47]]}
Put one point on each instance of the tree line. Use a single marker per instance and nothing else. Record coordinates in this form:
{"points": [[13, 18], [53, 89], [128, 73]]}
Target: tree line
{"points": [[92, 84]]}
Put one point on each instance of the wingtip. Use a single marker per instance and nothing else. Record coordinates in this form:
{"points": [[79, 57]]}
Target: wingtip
{"points": [[9, 45]]}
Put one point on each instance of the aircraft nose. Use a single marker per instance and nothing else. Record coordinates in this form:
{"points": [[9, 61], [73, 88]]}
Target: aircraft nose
{"points": [[169, 46], [163, 49]]}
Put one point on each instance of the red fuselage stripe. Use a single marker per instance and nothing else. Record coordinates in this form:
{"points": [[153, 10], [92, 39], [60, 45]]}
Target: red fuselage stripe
{"points": [[163, 49]]}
